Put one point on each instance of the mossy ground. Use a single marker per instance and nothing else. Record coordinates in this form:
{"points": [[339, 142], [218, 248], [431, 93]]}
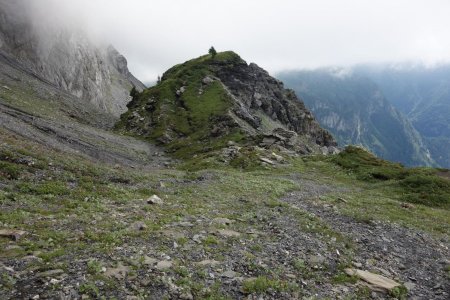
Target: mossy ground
{"points": [[79, 217], [425, 186]]}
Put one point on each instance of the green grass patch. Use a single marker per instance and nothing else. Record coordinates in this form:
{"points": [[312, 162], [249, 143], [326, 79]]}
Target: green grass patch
{"points": [[263, 284], [416, 185], [10, 170]]}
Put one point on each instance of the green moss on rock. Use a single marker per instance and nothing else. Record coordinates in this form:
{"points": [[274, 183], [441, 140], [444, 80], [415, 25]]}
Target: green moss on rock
{"points": [[184, 111]]}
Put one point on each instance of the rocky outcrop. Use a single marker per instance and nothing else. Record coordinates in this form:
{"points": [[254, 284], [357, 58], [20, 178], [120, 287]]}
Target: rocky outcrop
{"points": [[257, 91], [66, 58], [203, 103]]}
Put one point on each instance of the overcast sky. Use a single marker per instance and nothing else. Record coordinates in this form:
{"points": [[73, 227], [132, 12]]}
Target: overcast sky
{"points": [[277, 35]]}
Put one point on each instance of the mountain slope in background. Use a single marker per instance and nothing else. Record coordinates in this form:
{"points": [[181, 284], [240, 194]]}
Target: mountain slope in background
{"points": [[74, 223], [60, 90], [355, 110], [423, 95], [206, 102], [65, 58]]}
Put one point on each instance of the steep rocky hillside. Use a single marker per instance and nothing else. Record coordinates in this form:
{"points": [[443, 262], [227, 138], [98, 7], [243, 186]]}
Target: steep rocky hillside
{"points": [[65, 58], [355, 110], [204, 103], [38, 111], [36, 107], [89, 214], [423, 95]]}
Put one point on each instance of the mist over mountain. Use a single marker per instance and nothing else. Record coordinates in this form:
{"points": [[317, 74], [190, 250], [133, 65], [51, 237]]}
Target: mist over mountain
{"points": [[354, 108], [65, 56], [423, 95], [218, 182]]}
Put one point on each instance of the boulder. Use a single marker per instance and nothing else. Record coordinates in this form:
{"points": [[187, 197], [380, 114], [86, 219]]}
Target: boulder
{"points": [[222, 221], [138, 226], [164, 265], [207, 80], [154, 200], [228, 233], [13, 234], [119, 273], [375, 282]]}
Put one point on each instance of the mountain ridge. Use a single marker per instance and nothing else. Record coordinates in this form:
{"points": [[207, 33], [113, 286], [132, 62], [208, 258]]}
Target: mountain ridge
{"points": [[355, 109], [423, 95], [215, 99]]}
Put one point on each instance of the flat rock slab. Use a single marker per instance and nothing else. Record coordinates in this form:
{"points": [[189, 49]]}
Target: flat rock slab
{"points": [[228, 233], [222, 221], [13, 234], [375, 281], [50, 273], [150, 260], [267, 161], [209, 262], [229, 274], [173, 234], [184, 224], [315, 260], [119, 273], [163, 265]]}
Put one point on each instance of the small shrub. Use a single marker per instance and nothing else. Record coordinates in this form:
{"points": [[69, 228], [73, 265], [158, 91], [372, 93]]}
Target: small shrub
{"points": [[7, 281], [90, 289], [51, 187], [94, 267], [182, 271], [342, 278], [426, 189], [399, 292], [9, 170], [210, 240], [299, 265], [247, 159], [213, 52]]}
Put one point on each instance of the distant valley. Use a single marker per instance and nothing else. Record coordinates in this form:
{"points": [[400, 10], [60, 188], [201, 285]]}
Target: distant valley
{"points": [[399, 113], [216, 182]]}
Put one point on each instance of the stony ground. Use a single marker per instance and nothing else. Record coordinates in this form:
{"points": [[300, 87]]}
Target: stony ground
{"points": [[289, 231], [410, 256], [79, 219], [216, 235]]}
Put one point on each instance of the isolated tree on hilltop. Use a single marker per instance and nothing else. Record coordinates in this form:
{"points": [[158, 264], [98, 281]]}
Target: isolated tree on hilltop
{"points": [[212, 51]]}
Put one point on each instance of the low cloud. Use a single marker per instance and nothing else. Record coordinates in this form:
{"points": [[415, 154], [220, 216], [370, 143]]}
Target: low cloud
{"points": [[277, 35]]}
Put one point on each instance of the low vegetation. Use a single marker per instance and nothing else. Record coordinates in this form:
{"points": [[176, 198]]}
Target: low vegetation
{"points": [[186, 108], [227, 220], [80, 217], [417, 185]]}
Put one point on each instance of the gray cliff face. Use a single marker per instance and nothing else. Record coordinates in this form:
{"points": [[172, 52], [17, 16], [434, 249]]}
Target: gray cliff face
{"points": [[66, 58], [261, 94]]}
